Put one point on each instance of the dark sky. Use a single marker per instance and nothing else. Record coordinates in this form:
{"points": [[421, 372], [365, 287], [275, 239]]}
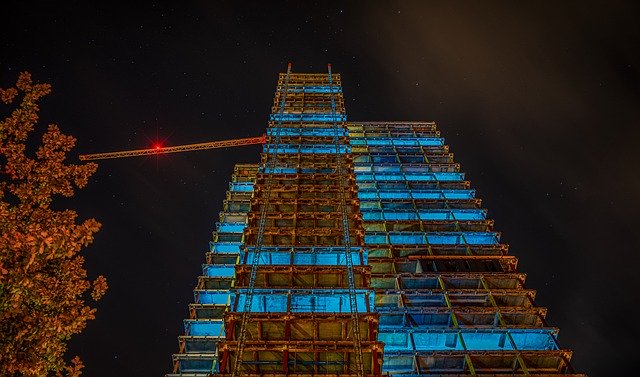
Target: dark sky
{"points": [[539, 102]]}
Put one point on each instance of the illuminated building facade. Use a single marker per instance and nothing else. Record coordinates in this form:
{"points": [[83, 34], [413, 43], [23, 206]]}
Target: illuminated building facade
{"points": [[358, 249]]}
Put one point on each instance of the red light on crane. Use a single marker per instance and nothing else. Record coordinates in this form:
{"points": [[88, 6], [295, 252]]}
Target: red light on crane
{"points": [[158, 148]]}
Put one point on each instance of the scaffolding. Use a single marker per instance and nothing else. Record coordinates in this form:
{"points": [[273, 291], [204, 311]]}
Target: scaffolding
{"points": [[359, 249]]}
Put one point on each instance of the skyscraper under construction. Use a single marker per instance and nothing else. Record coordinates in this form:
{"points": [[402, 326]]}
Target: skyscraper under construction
{"points": [[358, 249]]}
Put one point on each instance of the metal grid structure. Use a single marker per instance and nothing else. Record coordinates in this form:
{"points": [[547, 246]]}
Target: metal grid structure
{"points": [[359, 249]]}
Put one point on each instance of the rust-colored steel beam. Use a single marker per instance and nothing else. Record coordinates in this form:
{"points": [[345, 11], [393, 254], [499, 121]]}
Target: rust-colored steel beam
{"points": [[175, 149]]}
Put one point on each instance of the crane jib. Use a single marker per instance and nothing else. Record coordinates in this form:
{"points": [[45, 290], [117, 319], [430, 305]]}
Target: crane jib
{"points": [[175, 149]]}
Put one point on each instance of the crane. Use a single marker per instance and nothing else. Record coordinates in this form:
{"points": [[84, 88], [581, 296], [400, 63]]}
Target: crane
{"points": [[178, 148]]}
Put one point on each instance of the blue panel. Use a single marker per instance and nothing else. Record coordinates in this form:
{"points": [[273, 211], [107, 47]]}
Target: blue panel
{"points": [[435, 215], [448, 176], [241, 186], [327, 259], [230, 227], [293, 170], [472, 238], [273, 258], [264, 303], [533, 339], [313, 89], [306, 148], [468, 214], [306, 256], [416, 194], [455, 214], [307, 131], [204, 327], [474, 340], [486, 340], [395, 341], [218, 270], [459, 194], [325, 303], [378, 177], [278, 170], [437, 176], [369, 205], [391, 321], [436, 238], [426, 142], [308, 117], [426, 215], [398, 364], [373, 239], [392, 168], [224, 247], [481, 238], [431, 341], [445, 239], [408, 238], [374, 215], [318, 301], [377, 195]]}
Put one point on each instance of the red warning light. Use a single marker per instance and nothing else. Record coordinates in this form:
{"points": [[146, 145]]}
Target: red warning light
{"points": [[157, 147]]}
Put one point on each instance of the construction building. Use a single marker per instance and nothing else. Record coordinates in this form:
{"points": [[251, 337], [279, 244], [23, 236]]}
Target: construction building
{"points": [[358, 249]]}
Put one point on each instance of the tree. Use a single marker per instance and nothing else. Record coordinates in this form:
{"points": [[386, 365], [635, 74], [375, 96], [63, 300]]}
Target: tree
{"points": [[43, 282]]}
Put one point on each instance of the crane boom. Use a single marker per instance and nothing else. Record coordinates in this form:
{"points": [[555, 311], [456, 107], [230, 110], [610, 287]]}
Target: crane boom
{"points": [[175, 149]]}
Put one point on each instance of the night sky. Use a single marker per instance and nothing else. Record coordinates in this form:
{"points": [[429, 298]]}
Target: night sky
{"points": [[539, 103]]}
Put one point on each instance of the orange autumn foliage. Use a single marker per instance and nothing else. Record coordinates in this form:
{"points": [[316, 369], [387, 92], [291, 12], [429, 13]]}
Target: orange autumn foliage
{"points": [[43, 282]]}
